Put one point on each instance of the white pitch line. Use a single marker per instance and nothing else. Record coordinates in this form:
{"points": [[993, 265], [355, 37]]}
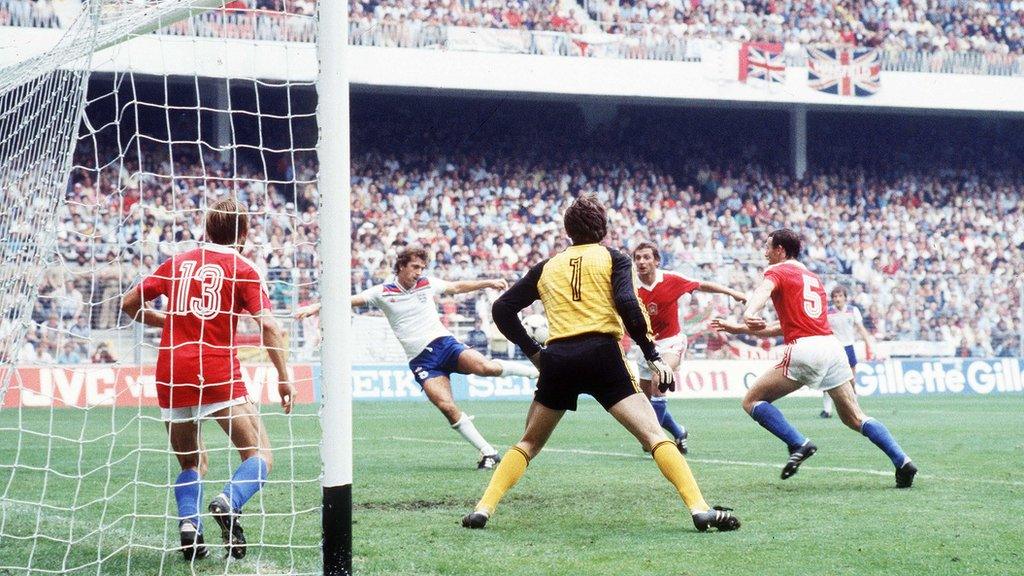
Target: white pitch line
{"points": [[733, 462]]}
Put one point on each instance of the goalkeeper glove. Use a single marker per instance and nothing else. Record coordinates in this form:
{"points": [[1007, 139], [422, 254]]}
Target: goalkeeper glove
{"points": [[662, 375]]}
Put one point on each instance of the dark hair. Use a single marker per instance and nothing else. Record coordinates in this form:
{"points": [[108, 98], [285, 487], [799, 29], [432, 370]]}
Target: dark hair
{"points": [[585, 220], [648, 245], [839, 289], [406, 255], [788, 240], [227, 222]]}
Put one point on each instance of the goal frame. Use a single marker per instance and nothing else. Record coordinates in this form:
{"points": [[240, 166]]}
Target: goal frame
{"points": [[333, 184]]}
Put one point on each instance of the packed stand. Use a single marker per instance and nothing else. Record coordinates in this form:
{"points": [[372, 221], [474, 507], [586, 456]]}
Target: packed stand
{"points": [[120, 222], [927, 253], [936, 26], [276, 20], [411, 23], [922, 263], [934, 34]]}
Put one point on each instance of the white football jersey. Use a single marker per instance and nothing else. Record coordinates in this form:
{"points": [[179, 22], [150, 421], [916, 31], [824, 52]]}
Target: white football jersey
{"points": [[844, 323], [412, 313]]}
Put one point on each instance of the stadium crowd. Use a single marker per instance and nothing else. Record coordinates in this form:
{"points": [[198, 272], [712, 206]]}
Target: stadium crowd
{"points": [[506, 14], [923, 263], [893, 25], [120, 222], [933, 30], [927, 253]]}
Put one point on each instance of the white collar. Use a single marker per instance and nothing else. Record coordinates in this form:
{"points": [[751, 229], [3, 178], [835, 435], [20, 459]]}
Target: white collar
{"points": [[219, 248], [789, 261], [659, 275]]}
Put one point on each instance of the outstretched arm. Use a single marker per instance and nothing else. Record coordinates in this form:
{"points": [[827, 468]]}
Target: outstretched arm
{"points": [[752, 315], [723, 325], [358, 300], [464, 286], [307, 311], [716, 288], [133, 306]]}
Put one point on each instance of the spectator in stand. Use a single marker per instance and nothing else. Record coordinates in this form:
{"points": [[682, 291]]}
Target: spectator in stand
{"points": [[102, 355], [477, 339], [69, 354]]}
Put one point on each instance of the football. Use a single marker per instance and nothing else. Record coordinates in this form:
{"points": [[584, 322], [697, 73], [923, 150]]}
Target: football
{"points": [[537, 327]]}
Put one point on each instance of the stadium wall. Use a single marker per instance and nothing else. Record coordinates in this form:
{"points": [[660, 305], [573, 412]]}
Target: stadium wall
{"points": [[93, 385], [412, 69]]}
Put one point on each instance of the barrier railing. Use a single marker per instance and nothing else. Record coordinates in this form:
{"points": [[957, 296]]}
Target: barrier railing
{"points": [[636, 41]]}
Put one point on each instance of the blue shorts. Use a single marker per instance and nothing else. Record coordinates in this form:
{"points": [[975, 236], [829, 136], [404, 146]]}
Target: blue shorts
{"points": [[439, 358], [851, 355]]}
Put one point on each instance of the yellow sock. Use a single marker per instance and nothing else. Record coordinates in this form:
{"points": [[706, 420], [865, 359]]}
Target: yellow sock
{"points": [[674, 467], [505, 476]]}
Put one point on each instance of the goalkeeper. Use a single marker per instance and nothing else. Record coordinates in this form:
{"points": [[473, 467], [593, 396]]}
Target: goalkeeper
{"points": [[585, 290]]}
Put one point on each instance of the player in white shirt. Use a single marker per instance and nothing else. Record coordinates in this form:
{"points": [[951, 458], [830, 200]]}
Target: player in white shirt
{"points": [[434, 354], [846, 323]]}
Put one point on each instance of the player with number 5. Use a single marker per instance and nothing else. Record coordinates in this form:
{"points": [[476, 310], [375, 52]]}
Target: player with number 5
{"points": [[814, 357], [197, 371]]}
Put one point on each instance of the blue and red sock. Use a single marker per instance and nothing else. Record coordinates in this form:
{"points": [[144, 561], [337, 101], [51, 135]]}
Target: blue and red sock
{"points": [[246, 481], [665, 418], [188, 492], [772, 420]]}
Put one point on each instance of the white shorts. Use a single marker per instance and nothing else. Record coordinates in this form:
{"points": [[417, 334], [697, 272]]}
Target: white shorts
{"points": [[200, 412], [818, 362], [671, 345]]}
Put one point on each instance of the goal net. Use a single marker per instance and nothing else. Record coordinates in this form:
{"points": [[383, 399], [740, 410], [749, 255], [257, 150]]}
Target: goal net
{"points": [[116, 133]]}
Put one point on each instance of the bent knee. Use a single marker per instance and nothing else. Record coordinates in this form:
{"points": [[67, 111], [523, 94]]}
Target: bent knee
{"points": [[853, 421], [530, 446], [749, 401], [649, 441], [262, 453]]}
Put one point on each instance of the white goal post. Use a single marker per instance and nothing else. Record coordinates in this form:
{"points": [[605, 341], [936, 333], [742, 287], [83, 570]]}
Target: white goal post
{"points": [[336, 279]]}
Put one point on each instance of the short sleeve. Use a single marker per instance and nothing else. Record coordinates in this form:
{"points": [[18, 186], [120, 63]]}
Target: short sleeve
{"points": [[439, 286], [372, 295], [775, 276], [684, 285], [157, 284], [251, 290], [858, 319]]}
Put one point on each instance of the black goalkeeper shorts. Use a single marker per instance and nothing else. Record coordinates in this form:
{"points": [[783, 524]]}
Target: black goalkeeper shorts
{"points": [[586, 364]]}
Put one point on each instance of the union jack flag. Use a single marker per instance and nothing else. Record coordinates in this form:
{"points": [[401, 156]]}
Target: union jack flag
{"points": [[763, 61], [844, 71]]}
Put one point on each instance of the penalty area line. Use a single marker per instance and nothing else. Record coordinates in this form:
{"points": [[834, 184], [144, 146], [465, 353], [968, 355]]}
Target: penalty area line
{"points": [[720, 462]]}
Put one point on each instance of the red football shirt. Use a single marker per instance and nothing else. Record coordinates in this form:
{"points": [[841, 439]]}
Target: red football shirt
{"points": [[799, 299], [662, 301], [206, 289]]}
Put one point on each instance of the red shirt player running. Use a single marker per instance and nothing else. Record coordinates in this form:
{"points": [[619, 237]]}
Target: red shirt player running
{"points": [[660, 291], [813, 357], [197, 371]]}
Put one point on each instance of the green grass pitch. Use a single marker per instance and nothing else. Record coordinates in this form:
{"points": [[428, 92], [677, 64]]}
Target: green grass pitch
{"points": [[591, 503]]}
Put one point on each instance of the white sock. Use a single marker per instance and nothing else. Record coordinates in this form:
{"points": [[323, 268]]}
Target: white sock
{"points": [[827, 403], [518, 369], [465, 427]]}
